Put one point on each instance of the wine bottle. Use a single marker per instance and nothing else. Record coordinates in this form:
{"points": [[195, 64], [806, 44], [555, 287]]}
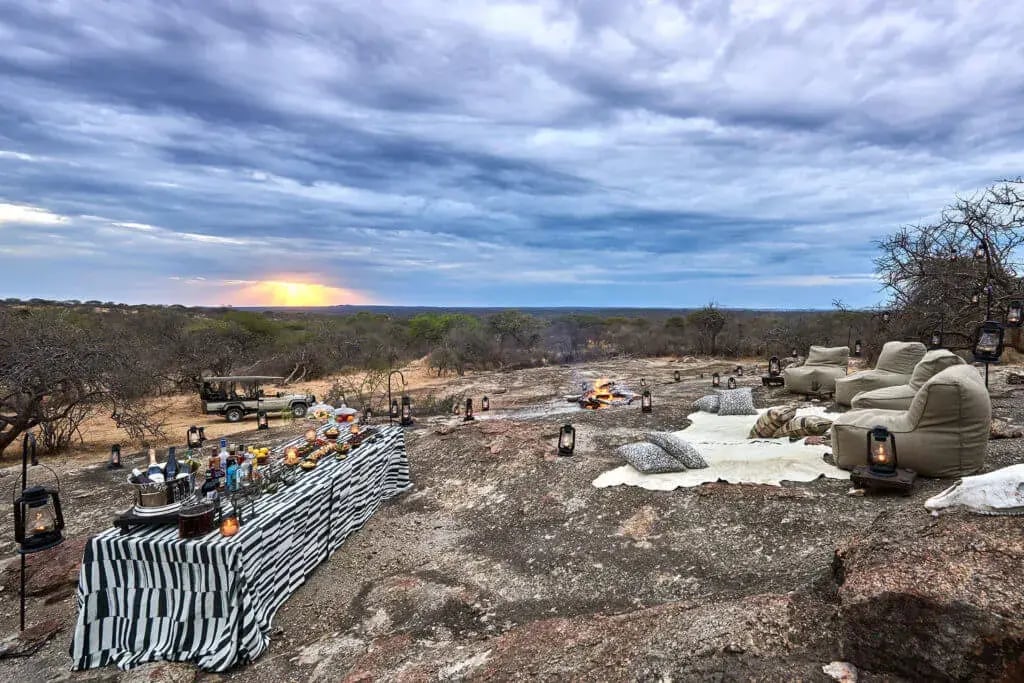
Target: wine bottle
{"points": [[155, 474], [171, 468]]}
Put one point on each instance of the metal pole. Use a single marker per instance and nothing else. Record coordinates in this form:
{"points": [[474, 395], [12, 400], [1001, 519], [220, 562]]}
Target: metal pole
{"points": [[24, 479], [391, 418]]}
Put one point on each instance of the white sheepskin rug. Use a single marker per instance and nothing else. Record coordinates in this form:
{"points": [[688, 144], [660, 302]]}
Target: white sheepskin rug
{"points": [[734, 458]]}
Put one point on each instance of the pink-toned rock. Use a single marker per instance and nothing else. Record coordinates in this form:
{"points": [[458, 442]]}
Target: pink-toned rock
{"points": [[28, 642], [162, 672], [48, 571]]}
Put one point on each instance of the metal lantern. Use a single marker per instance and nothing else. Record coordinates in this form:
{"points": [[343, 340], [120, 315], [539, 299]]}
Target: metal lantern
{"points": [[716, 380], [115, 457], [38, 520], [774, 366], [469, 411], [886, 316], [975, 298], [367, 415], [936, 340], [394, 408], [794, 354], [456, 408], [732, 382], [981, 250], [739, 370], [1015, 313], [566, 440], [262, 421], [857, 348], [406, 411], [485, 404], [194, 438], [645, 401], [988, 344], [676, 376], [882, 452]]}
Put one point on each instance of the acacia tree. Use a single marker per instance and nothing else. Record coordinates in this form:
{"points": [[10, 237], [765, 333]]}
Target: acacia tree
{"points": [[935, 281], [706, 323]]}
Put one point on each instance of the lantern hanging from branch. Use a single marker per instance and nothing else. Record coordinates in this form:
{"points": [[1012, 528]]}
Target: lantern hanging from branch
{"points": [[566, 440], [936, 340], [794, 354], [645, 401], [1015, 313], [981, 250], [406, 411], [881, 452], [988, 344], [886, 315]]}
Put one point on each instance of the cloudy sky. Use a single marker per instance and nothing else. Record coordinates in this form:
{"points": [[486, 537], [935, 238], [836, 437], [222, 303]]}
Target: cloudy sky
{"points": [[475, 152]]}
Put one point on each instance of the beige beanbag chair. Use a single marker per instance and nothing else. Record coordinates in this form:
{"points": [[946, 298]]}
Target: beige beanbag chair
{"points": [[899, 398], [823, 366], [894, 367], [944, 433]]}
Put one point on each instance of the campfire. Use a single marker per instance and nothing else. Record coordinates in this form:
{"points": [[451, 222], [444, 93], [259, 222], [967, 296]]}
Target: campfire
{"points": [[604, 393]]}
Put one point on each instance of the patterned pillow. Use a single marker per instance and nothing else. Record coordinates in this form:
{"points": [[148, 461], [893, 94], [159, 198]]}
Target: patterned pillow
{"points": [[771, 422], [679, 448], [808, 425], [736, 402], [709, 404], [648, 458]]}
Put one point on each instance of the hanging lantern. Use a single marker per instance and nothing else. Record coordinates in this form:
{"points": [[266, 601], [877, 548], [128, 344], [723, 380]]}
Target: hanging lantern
{"points": [[193, 438], [886, 316], [716, 380], [936, 340], [857, 348], [645, 401], [115, 457], [732, 382], [469, 411], [406, 411], [988, 344], [38, 520], [774, 366], [261, 420], [975, 298], [881, 452], [485, 404], [566, 440], [1015, 313], [394, 408], [981, 250], [676, 376], [310, 435], [367, 415], [794, 354]]}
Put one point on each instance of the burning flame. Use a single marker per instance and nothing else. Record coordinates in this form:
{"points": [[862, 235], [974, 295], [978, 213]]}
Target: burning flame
{"points": [[40, 523], [599, 395], [881, 456]]}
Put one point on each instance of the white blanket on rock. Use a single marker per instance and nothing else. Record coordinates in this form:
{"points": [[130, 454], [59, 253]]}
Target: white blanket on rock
{"points": [[734, 458]]}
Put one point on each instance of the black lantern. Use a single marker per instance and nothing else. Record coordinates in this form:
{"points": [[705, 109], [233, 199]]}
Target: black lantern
{"points": [[202, 435], [936, 340], [857, 348], [367, 414], [194, 438], [406, 411], [645, 401], [566, 440], [38, 521], [886, 316], [676, 376], [261, 420], [794, 354], [882, 452], [981, 250], [115, 458], [485, 404], [469, 411], [394, 408], [732, 382], [1015, 313], [739, 370], [456, 408], [988, 344], [774, 366], [975, 298], [716, 380]]}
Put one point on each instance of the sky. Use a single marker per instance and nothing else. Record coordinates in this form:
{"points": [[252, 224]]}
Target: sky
{"points": [[482, 153]]}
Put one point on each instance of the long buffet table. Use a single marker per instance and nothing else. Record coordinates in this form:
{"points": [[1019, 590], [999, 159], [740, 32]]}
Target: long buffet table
{"points": [[150, 596]]}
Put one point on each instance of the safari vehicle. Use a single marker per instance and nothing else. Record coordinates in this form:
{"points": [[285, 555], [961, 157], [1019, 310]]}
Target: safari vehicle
{"points": [[236, 397]]}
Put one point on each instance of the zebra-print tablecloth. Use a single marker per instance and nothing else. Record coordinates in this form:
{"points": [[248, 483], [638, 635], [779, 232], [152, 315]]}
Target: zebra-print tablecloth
{"points": [[151, 596]]}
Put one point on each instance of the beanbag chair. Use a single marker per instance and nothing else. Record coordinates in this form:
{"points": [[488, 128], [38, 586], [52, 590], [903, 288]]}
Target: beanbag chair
{"points": [[820, 372], [899, 397], [894, 367]]}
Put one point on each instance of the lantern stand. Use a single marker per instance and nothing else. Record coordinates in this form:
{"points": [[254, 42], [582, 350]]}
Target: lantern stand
{"points": [[882, 471], [392, 414], [37, 497]]}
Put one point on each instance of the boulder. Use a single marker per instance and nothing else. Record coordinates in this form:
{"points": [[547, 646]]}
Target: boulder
{"points": [[931, 598], [28, 642], [50, 571]]}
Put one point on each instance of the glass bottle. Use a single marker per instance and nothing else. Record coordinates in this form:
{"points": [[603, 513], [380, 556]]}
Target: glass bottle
{"points": [[155, 474]]}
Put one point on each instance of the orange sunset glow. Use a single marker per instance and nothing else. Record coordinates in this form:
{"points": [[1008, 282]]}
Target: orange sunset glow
{"points": [[288, 293]]}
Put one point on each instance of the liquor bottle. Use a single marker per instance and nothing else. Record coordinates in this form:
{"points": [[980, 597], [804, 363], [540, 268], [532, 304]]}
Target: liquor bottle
{"points": [[171, 468], [155, 474], [233, 471], [224, 455]]}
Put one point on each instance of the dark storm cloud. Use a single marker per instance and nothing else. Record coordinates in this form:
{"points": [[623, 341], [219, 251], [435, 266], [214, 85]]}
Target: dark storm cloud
{"points": [[477, 152]]}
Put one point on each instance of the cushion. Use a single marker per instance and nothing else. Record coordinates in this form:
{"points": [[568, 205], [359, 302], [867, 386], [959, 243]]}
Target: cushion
{"points": [[771, 421], [648, 458], [806, 425], [932, 364], [709, 404], [900, 357], [821, 355], [736, 402], [679, 448]]}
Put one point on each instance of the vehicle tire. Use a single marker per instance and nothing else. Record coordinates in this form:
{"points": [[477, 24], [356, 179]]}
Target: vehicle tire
{"points": [[234, 414], [299, 409]]}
